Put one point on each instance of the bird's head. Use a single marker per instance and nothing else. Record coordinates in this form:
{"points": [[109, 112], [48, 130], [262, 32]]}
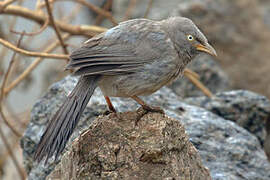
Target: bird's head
{"points": [[188, 39]]}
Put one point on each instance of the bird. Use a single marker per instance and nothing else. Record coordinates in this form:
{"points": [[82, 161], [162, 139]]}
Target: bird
{"points": [[135, 58]]}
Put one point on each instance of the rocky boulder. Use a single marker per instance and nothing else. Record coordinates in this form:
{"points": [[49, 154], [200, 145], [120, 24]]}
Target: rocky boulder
{"points": [[249, 110], [227, 150], [132, 145]]}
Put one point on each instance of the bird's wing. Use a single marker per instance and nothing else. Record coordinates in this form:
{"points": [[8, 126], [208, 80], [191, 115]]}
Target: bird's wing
{"points": [[122, 49]]}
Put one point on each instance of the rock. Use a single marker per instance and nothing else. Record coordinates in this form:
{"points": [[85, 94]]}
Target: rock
{"points": [[237, 31], [229, 151], [211, 75], [267, 139], [223, 146], [129, 145], [249, 110]]}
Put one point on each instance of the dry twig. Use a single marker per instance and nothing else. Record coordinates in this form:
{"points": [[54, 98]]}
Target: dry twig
{"points": [[18, 168], [150, 3], [73, 13], [2, 135], [131, 6], [2, 92], [192, 73], [106, 7], [98, 10], [5, 4], [197, 83], [32, 66], [43, 27], [34, 54], [56, 29], [83, 30]]}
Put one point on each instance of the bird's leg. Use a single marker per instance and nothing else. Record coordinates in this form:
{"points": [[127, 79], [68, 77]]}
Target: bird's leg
{"points": [[147, 107], [110, 105]]}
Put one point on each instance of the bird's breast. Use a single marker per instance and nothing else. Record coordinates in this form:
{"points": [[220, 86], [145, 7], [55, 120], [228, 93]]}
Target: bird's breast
{"points": [[150, 78]]}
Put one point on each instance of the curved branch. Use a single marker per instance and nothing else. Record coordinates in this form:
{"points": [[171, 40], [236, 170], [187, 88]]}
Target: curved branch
{"points": [[94, 8], [190, 75], [40, 18], [55, 27], [44, 26], [34, 54], [99, 10], [31, 67], [2, 91], [5, 4], [4, 139]]}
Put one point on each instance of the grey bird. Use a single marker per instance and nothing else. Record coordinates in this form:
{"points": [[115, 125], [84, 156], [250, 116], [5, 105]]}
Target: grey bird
{"points": [[135, 58]]}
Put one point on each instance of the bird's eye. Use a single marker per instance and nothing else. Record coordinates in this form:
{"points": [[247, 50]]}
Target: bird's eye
{"points": [[190, 37]]}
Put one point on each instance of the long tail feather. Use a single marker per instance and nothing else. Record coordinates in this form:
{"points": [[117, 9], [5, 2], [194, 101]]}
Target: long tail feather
{"points": [[65, 120]]}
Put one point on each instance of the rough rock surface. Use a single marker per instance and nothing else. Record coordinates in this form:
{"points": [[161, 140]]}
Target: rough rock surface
{"points": [[132, 145], [267, 139], [229, 151], [211, 75], [249, 110]]}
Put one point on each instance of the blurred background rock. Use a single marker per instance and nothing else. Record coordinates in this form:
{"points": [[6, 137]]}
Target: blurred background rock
{"points": [[238, 29]]}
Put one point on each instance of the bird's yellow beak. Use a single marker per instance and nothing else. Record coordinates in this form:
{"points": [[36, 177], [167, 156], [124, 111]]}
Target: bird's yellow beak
{"points": [[206, 48]]}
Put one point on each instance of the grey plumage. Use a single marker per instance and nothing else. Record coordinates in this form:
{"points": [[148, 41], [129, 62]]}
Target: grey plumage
{"points": [[135, 58], [65, 120]]}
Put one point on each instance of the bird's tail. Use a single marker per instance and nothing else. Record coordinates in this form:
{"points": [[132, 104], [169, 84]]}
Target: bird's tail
{"points": [[65, 120]]}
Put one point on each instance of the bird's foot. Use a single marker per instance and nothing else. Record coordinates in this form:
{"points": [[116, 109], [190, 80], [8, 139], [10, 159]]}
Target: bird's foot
{"points": [[153, 109], [145, 109], [107, 112]]}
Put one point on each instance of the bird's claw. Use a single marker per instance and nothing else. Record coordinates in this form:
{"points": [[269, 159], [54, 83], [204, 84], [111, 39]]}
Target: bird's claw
{"points": [[153, 109], [107, 112]]}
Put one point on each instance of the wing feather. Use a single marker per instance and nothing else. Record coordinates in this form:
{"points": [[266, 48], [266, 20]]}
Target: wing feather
{"points": [[106, 70], [121, 50]]}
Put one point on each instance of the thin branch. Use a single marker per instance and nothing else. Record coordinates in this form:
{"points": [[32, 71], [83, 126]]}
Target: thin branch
{"points": [[150, 3], [106, 7], [32, 66], [131, 6], [198, 84], [20, 171], [44, 26], [84, 30], [38, 5], [56, 29], [8, 109], [5, 4], [70, 17], [4, 155], [2, 91], [10, 126], [192, 73], [34, 54], [97, 10]]}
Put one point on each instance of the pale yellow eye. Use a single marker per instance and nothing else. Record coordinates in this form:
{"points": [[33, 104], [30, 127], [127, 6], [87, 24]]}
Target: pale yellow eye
{"points": [[190, 37]]}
